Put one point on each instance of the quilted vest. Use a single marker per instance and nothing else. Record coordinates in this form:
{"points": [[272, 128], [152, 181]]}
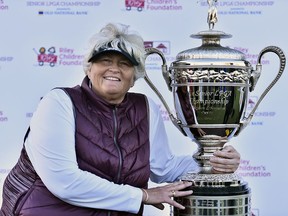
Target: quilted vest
{"points": [[111, 142]]}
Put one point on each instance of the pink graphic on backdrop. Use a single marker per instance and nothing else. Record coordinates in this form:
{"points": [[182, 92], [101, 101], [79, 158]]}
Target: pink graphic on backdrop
{"points": [[163, 46], [148, 44], [43, 57], [251, 102], [139, 4]]}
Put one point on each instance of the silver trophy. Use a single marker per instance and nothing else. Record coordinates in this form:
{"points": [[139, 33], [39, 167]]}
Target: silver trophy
{"points": [[210, 86]]}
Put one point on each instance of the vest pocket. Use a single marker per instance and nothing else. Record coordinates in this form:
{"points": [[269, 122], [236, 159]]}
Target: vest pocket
{"points": [[21, 200]]}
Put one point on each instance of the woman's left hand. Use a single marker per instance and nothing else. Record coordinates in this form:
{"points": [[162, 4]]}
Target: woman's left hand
{"points": [[226, 160]]}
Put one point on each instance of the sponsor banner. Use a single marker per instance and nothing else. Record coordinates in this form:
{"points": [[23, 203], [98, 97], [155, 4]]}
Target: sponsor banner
{"points": [[48, 8], [42, 46], [53, 56]]}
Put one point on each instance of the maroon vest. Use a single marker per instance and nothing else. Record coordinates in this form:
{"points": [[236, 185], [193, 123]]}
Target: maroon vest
{"points": [[111, 142]]}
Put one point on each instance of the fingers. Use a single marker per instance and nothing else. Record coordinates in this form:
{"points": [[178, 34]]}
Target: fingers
{"points": [[227, 152], [165, 194], [176, 190], [219, 168], [226, 160]]}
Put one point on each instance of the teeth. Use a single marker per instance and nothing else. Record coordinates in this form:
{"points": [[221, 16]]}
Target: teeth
{"points": [[112, 78]]}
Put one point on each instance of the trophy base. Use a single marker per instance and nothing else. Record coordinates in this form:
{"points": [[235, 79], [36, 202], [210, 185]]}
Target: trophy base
{"points": [[215, 194]]}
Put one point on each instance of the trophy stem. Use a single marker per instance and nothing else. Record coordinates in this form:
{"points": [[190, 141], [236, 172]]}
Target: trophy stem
{"points": [[207, 145]]}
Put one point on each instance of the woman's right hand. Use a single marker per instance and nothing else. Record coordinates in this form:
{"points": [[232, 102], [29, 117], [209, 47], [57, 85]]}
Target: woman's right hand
{"points": [[164, 194]]}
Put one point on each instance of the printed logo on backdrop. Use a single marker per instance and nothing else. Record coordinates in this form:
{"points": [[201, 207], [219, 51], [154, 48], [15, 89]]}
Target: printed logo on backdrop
{"points": [[248, 169], [63, 7], [134, 4], [252, 102], [154, 62], [52, 56], [251, 57], [259, 116], [46, 57], [251, 7], [3, 117], [4, 60], [163, 46], [152, 5], [3, 5]]}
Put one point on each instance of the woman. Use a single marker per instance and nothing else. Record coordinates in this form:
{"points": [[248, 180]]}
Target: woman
{"points": [[91, 149]]}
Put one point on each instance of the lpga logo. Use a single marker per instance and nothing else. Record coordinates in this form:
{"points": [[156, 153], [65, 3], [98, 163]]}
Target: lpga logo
{"points": [[49, 57]]}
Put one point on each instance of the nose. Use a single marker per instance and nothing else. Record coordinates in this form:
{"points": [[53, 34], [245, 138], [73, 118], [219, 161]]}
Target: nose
{"points": [[114, 66], [114, 69]]}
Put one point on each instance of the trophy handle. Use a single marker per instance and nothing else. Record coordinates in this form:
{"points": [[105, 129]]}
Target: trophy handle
{"points": [[255, 76], [167, 78]]}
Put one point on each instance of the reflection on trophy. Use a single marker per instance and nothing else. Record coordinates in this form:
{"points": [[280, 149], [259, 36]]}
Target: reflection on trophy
{"points": [[210, 86]]}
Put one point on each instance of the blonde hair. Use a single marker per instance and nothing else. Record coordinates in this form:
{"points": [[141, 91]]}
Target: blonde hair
{"points": [[118, 35]]}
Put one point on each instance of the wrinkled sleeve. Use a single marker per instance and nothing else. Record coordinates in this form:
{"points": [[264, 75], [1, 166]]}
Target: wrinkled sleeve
{"points": [[165, 166]]}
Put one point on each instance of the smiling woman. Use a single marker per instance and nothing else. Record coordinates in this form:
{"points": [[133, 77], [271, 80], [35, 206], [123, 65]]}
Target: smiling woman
{"points": [[111, 76], [91, 149]]}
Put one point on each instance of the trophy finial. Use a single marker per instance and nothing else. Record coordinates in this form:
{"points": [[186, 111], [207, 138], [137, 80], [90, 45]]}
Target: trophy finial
{"points": [[212, 13]]}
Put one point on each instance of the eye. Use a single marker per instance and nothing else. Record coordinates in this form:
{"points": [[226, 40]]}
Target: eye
{"points": [[126, 63], [105, 60]]}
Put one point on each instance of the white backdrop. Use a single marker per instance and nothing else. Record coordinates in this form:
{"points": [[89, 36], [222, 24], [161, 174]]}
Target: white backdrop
{"points": [[63, 29]]}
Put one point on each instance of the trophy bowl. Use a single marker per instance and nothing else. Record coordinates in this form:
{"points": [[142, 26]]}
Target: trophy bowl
{"points": [[210, 86]]}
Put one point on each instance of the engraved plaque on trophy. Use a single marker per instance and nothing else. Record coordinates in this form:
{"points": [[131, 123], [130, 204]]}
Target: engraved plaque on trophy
{"points": [[210, 85]]}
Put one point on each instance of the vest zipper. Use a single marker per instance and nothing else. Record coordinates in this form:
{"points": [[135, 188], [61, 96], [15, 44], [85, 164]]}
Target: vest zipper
{"points": [[117, 147], [116, 144]]}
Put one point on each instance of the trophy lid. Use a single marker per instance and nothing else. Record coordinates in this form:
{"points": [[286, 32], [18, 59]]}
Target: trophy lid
{"points": [[211, 53], [211, 48]]}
